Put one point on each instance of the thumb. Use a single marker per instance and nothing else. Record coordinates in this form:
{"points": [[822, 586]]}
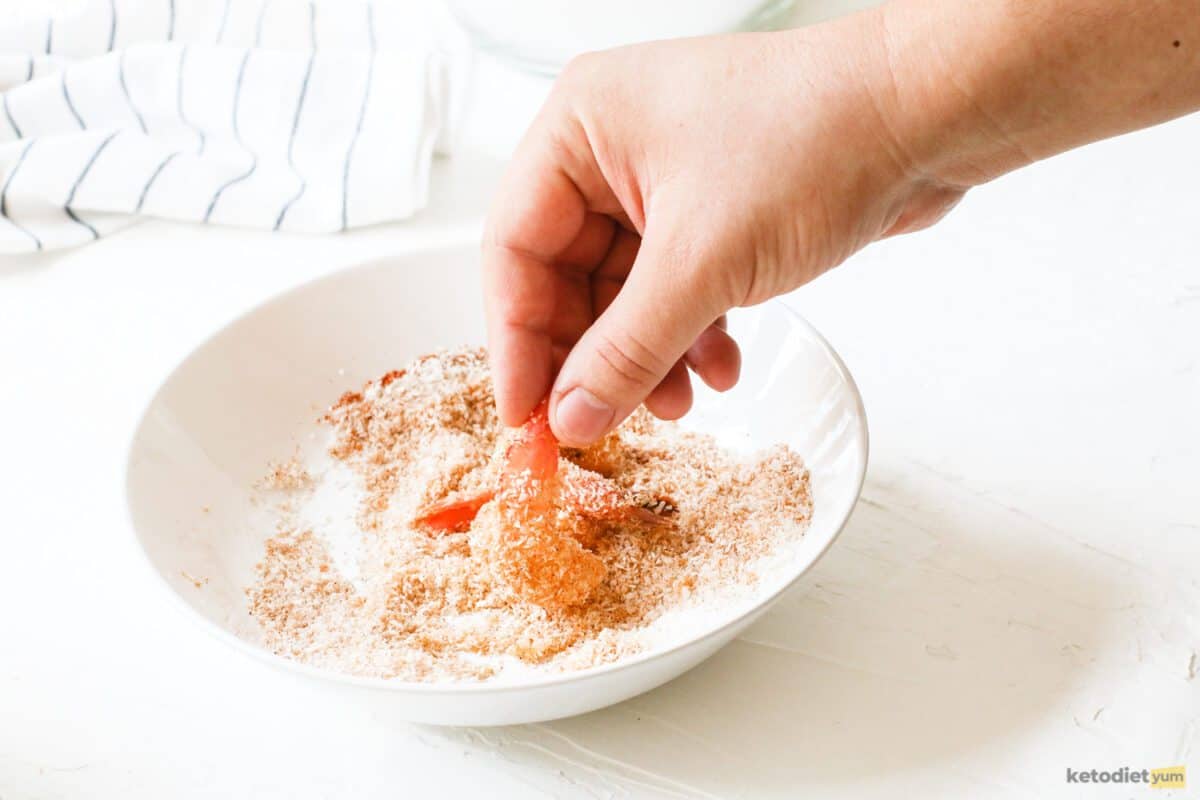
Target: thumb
{"points": [[663, 306]]}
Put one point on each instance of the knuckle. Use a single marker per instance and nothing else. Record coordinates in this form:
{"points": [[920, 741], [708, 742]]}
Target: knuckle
{"points": [[632, 363], [585, 81], [580, 67]]}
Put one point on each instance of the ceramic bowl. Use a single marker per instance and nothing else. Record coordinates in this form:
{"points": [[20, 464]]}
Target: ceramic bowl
{"points": [[246, 397]]}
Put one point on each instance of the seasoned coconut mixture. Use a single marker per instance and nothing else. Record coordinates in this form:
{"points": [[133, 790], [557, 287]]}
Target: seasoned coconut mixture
{"points": [[421, 541]]}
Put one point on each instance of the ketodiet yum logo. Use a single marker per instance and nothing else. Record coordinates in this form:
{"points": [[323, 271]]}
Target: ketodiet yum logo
{"points": [[1160, 778]]}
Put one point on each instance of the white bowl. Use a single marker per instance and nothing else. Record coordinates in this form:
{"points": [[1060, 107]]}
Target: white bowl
{"points": [[247, 396]]}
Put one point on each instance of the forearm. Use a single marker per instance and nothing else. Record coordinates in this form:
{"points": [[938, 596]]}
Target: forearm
{"points": [[981, 88]]}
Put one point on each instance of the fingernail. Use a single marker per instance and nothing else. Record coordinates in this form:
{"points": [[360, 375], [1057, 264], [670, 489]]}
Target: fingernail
{"points": [[582, 417]]}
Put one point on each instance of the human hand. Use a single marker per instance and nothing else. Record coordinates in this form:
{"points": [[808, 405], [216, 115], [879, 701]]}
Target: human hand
{"points": [[667, 183], [664, 184]]}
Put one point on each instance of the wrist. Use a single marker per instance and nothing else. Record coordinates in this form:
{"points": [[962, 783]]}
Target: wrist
{"points": [[938, 69]]}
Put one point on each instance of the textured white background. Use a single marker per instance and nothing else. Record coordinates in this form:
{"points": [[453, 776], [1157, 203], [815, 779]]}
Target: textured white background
{"points": [[1017, 593]]}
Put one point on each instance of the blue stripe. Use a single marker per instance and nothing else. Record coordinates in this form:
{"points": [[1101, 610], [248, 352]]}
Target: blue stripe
{"points": [[4, 197], [153, 177], [312, 24], [171, 23], [67, 96], [237, 96], [179, 104], [49, 35], [8, 115], [112, 26], [258, 25], [292, 139], [83, 174], [29, 72], [362, 113], [74, 218], [125, 89], [224, 21]]}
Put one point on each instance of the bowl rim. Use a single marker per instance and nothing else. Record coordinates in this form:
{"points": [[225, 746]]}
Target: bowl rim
{"points": [[457, 688]]}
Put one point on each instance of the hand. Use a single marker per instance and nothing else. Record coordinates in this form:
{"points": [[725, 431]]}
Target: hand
{"points": [[666, 183]]}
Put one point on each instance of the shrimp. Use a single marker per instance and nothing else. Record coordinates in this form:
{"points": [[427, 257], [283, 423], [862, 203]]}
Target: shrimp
{"points": [[581, 491], [530, 527]]}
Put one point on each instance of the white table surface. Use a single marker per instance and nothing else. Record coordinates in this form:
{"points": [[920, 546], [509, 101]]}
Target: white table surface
{"points": [[1017, 593]]}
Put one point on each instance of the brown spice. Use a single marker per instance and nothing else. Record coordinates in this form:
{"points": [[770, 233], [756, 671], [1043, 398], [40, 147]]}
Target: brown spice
{"points": [[459, 605], [199, 583], [288, 476]]}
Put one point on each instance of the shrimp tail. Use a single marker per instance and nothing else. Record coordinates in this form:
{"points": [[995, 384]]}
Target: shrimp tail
{"points": [[453, 515]]}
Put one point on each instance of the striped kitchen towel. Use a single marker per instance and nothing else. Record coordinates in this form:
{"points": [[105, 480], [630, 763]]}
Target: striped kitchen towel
{"points": [[274, 114]]}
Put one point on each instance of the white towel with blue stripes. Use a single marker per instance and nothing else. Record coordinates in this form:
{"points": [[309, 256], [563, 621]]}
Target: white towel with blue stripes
{"points": [[272, 114]]}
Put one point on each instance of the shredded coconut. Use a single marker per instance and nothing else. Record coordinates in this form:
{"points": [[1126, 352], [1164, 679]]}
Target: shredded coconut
{"points": [[348, 583]]}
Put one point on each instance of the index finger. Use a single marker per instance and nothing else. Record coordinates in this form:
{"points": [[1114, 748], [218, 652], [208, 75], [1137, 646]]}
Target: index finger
{"points": [[543, 238], [535, 218]]}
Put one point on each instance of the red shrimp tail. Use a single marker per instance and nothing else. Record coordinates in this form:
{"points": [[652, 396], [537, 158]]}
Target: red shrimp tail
{"points": [[536, 449], [453, 515], [592, 496]]}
